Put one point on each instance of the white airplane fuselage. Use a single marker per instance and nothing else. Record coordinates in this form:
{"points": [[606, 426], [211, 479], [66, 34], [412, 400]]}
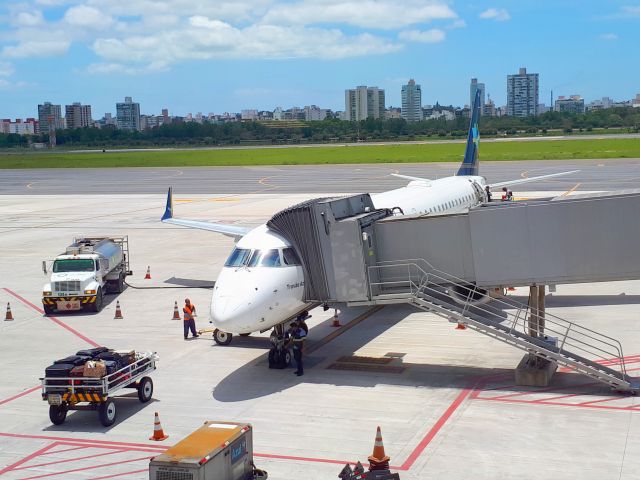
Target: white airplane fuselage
{"points": [[262, 283]]}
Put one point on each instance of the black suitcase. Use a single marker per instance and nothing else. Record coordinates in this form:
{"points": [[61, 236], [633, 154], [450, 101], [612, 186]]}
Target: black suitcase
{"points": [[113, 357], [92, 352], [58, 370], [75, 360], [111, 366]]}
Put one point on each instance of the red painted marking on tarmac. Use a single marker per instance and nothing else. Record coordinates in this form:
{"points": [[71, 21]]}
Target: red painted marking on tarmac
{"points": [[54, 319], [35, 454], [558, 397], [22, 394], [563, 404], [301, 459], [82, 441], [435, 429], [74, 459], [92, 467], [120, 474], [53, 452], [610, 399]]}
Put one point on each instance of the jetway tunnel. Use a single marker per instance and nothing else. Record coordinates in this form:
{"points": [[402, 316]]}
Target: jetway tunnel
{"points": [[354, 254]]}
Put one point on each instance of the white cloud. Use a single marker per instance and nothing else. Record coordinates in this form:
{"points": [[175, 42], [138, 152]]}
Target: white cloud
{"points": [[6, 69], [36, 49], [29, 19], [631, 11], [608, 36], [382, 14], [87, 17], [497, 14], [459, 23], [434, 35]]}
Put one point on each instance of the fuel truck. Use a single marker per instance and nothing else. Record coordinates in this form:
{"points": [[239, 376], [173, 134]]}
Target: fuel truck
{"points": [[88, 269]]}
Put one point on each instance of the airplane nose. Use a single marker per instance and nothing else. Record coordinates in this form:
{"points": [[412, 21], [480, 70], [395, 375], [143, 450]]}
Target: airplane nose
{"points": [[234, 313]]}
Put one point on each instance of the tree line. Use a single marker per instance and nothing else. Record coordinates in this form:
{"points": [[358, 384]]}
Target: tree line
{"points": [[329, 130]]}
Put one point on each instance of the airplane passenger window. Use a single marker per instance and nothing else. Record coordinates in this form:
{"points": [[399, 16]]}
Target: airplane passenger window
{"points": [[265, 258], [238, 257], [290, 257]]}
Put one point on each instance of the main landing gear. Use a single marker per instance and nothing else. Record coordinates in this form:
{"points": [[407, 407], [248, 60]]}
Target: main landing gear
{"points": [[279, 354]]}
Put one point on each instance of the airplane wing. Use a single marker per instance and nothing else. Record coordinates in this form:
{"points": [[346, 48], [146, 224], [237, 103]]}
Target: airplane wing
{"points": [[234, 231], [409, 177], [530, 179]]}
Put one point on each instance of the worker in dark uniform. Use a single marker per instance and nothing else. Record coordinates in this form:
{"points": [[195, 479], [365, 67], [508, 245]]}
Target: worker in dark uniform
{"points": [[296, 342], [189, 311], [487, 189]]}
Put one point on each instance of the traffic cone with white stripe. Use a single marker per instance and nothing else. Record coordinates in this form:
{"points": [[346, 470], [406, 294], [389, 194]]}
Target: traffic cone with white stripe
{"points": [[118, 315], [378, 460], [336, 320], [9, 316], [148, 275], [461, 326], [158, 433], [176, 312]]}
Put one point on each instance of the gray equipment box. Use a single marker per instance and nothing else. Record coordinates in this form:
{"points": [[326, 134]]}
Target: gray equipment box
{"points": [[215, 451]]}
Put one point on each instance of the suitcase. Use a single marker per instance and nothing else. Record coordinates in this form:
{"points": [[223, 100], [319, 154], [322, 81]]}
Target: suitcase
{"points": [[77, 372], [112, 366], [75, 360], [113, 357], [58, 370], [129, 356], [92, 352]]}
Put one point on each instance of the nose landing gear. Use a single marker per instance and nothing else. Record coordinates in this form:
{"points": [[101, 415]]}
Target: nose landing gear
{"points": [[222, 338], [279, 355]]}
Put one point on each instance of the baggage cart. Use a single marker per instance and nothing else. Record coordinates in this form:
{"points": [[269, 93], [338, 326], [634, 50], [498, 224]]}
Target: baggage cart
{"points": [[215, 451], [95, 393]]}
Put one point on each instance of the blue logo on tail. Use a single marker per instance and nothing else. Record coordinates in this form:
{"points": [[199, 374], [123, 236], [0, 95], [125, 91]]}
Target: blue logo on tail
{"points": [[470, 163]]}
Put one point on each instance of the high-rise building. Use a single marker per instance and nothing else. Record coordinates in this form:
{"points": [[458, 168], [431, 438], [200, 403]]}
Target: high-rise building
{"points": [[412, 102], [572, 104], [50, 118], [489, 108], [522, 94], [128, 115], [78, 115], [364, 102], [475, 86]]}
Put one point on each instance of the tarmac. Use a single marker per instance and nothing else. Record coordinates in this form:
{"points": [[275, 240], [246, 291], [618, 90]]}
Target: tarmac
{"points": [[444, 398]]}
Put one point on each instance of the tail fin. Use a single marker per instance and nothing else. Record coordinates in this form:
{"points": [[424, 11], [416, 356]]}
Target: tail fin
{"points": [[168, 211], [470, 163]]}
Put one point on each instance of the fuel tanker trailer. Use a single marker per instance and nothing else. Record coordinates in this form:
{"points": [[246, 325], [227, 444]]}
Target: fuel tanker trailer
{"points": [[88, 269]]}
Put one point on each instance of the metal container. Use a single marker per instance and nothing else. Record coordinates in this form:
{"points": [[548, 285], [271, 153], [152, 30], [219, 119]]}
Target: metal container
{"points": [[215, 451], [109, 251]]}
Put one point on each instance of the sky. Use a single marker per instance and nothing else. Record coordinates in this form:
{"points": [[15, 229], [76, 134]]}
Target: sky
{"points": [[227, 55]]}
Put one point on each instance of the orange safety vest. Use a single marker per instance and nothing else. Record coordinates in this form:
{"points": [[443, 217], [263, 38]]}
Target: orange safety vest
{"points": [[189, 310]]}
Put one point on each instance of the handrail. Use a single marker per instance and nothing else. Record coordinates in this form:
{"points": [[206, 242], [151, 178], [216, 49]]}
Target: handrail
{"points": [[419, 280]]}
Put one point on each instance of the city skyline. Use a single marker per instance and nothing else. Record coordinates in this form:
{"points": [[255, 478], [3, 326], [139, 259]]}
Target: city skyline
{"points": [[259, 54]]}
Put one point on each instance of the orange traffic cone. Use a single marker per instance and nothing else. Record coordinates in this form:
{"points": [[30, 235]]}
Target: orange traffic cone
{"points": [[511, 289], [176, 312], [461, 326], [158, 433], [336, 320], [118, 315], [9, 315], [148, 275], [378, 460]]}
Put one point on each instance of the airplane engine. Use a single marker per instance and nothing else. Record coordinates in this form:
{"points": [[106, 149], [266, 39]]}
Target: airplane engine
{"points": [[469, 293]]}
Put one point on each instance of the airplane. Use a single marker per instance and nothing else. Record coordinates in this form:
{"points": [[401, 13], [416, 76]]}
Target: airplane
{"points": [[261, 284]]}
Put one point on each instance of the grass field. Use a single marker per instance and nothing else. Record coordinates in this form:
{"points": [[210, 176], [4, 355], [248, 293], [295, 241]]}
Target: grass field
{"points": [[409, 153]]}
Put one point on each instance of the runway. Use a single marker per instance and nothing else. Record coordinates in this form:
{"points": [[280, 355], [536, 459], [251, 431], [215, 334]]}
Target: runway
{"points": [[595, 174]]}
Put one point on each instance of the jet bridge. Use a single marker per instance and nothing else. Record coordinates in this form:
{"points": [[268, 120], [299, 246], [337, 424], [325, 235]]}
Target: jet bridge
{"points": [[354, 254]]}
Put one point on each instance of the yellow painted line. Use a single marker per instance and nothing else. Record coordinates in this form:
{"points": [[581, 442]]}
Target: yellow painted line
{"points": [[362, 317], [223, 200], [568, 192], [183, 200]]}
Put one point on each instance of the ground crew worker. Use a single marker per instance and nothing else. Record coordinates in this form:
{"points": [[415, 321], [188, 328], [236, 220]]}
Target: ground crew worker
{"points": [[296, 341], [189, 319], [509, 195], [487, 189], [505, 194]]}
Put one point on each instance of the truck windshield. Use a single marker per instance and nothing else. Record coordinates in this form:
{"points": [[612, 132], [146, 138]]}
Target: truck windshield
{"points": [[73, 265]]}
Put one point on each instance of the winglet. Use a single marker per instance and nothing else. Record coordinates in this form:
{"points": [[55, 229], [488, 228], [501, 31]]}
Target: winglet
{"points": [[470, 163], [168, 212]]}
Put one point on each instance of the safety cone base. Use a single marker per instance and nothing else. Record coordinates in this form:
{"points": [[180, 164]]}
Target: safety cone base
{"points": [[159, 439], [9, 316]]}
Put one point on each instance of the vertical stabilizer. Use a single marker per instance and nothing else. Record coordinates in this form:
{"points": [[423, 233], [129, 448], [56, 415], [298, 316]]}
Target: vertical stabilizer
{"points": [[470, 163]]}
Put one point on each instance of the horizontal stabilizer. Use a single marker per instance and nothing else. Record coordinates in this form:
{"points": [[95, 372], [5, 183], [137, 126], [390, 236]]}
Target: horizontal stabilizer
{"points": [[234, 231], [409, 177], [531, 179]]}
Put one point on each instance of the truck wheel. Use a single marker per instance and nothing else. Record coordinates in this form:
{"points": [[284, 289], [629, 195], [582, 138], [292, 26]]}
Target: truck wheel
{"points": [[120, 284], [97, 305], [57, 414], [107, 413], [222, 338], [48, 309], [145, 389]]}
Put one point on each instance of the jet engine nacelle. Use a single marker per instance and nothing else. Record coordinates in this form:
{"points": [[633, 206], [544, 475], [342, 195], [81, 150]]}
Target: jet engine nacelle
{"points": [[469, 293]]}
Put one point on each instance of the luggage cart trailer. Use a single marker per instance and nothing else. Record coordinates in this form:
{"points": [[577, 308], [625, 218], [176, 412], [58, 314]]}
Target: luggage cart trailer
{"points": [[215, 451], [89, 393]]}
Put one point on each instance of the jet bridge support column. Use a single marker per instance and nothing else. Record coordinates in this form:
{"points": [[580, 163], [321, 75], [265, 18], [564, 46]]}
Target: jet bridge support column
{"points": [[533, 370]]}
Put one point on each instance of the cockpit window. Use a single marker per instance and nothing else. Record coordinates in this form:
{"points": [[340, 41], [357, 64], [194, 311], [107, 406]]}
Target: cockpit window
{"points": [[290, 257], [238, 257], [265, 258]]}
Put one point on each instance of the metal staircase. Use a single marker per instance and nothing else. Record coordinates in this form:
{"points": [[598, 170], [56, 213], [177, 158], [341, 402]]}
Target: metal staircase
{"points": [[566, 343]]}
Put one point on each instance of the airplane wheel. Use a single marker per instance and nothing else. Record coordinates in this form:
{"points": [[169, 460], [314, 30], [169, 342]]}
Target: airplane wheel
{"points": [[222, 338], [287, 357]]}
